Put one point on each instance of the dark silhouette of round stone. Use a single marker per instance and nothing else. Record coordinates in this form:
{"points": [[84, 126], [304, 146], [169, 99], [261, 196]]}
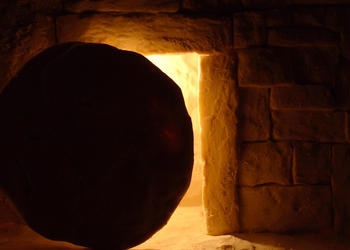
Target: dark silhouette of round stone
{"points": [[96, 145]]}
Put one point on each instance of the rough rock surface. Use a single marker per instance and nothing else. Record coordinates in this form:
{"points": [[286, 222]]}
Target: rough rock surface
{"points": [[175, 33], [218, 102], [96, 145]]}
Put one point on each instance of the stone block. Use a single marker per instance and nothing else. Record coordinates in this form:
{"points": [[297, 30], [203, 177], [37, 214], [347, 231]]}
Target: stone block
{"points": [[264, 67], [8, 213], [278, 3], [341, 187], [315, 65], [79, 6], [347, 128], [22, 12], [320, 126], [345, 45], [254, 121], [319, 2], [285, 209], [283, 66], [148, 33], [278, 18], [45, 6], [310, 97], [265, 162], [211, 5], [262, 3], [342, 86], [218, 109], [346, 20], [21, 43], [312, 163], [305, 36], [24, 33], [248, 29], [326, 16]]}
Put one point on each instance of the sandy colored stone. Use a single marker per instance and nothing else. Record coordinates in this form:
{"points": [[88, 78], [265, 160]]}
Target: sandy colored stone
{"points": [[305, 36], [346, 18], [249, 29], [319, 2], [285, 209], [20, 43], [211, 5], [261, 3], [218, 104], [265, 162], [79, 6], [180, 234], [278, 3], [20, 10], [303, 97], [327, 16], [312, 163], [345, 45], [278, 17], [8, 212], [321, 126], [264, 67], [281, 66], [148, 33], [17, 15], [254, 121], [341, 187], [315, 65], [342, 87], [347, 126]]}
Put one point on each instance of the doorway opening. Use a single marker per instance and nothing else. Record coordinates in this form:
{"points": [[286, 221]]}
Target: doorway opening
{"points": [[183, 69], [188, 218]]}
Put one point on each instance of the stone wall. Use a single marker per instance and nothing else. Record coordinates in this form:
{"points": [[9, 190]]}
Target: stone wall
{"points": [[275, 94], [294, 94]]}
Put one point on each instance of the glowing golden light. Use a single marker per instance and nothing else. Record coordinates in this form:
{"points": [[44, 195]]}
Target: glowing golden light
{"points": [[184, 70], [188, 221]]}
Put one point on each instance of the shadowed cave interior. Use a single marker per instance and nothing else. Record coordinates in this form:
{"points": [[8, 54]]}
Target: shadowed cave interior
{"points": [[273, 104]]}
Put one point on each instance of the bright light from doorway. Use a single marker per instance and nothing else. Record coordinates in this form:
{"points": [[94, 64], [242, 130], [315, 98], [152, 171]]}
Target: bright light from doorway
{"points": [[184, 70], [188, 221]]}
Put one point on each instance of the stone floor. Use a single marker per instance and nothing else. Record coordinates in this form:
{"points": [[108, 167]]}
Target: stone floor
{"points": [[184, 231]]}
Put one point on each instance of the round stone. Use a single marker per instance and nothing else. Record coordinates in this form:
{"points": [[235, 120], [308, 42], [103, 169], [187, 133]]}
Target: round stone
{"points": [[96, 145]]}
